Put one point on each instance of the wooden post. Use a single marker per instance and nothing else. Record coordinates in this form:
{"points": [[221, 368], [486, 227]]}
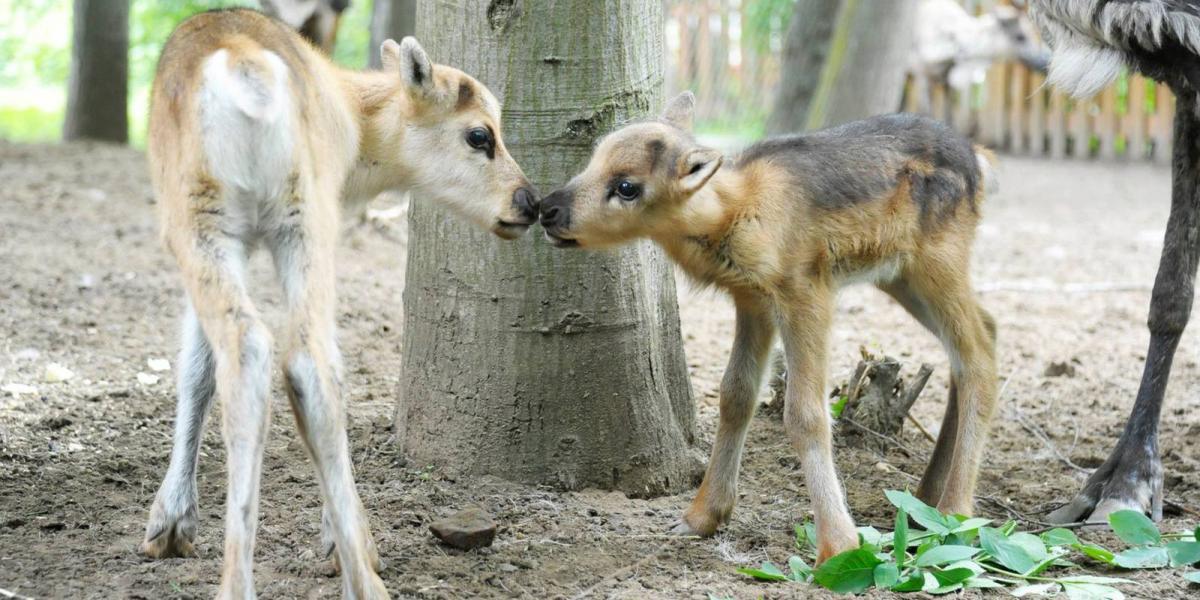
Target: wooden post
{"points": [[1018, 141], [1037, 114], [1106, 123], [1135, 119], [1081, 131], [1164, 119], [1058, 124], [992, 117]]}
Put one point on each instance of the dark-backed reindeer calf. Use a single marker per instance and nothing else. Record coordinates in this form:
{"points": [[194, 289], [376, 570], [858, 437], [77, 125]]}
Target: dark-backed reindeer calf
{"points": [[892, 200]]}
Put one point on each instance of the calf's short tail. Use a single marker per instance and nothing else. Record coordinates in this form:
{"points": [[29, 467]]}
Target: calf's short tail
{"points": [[987, 169]]}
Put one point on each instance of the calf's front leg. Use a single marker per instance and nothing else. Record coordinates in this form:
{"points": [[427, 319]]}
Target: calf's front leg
{"points": [[714, 502], [804, 321]]}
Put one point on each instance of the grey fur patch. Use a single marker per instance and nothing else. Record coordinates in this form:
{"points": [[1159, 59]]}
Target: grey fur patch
{"points": [[863, 160]]}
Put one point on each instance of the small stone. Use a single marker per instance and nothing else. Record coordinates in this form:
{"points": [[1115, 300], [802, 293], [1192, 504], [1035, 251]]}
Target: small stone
{"points": [[146, 378], [467, 529], [882, 466], [16, 389], [158, 364], [56, 373], [1060, 369]]}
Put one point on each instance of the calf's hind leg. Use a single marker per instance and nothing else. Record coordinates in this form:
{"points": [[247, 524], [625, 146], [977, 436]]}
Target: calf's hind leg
{"points": [[171, 528], [739, 390], [968, 333], [934, 480], [303, 254], [212, 265]]}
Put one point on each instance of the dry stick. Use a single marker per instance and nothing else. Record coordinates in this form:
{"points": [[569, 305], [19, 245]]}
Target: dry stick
{"points": [[887, 438], [915, 387]]}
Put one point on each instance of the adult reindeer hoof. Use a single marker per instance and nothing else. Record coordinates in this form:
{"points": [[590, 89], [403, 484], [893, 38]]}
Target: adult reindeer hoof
{"points": [[169, 536], [1126, 481]]}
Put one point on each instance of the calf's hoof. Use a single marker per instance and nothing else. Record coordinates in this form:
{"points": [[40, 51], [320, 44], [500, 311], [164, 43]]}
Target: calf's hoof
{"points": [[169, 536]]}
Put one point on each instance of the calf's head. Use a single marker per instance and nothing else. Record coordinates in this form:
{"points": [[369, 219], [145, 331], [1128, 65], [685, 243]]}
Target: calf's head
{"points": [[445, 140], [638, 183]]}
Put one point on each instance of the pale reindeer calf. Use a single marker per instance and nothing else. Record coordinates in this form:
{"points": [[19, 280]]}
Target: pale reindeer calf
{"points": [[893, 200], [256, 138]]}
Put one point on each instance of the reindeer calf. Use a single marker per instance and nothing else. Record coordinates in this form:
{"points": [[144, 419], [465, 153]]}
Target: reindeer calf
{"points": [[257, 138], [893, 200]]}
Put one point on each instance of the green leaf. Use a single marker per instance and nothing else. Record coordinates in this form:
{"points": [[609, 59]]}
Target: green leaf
{"points": [[922, 513], [1095, 552], [1134, 528], [800, 569], [1060, 537], [1005, 552], [767, 572], [1032, 544], [1183, 553], [932, 585], [941, 555], [886, 575], [1091, 591], [970, 525], [837, 406], [869, 535], [912, 584], [1043, 564], [953, 576], [1038, 589], [1152, 557], [900, 537], [981, 582], [1193, 577], [1093, 579], [849, 572]]}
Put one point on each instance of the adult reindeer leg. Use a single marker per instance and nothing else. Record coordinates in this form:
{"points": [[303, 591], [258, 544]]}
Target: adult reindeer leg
{"points": [[1131, 477]]}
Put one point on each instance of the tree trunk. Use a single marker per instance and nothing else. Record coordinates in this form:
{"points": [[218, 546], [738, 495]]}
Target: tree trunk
{"points": [[390, 19], [539, 365], [843, 60], [99, 82]]}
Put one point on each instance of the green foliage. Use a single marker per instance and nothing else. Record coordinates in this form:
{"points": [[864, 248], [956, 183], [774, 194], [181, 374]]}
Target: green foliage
{"points": [[35, 57], [954, 553], [1134, 528], [766, 21]]}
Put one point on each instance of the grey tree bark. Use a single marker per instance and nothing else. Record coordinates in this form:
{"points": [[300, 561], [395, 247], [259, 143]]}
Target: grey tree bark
{"points": [[97, 90], [843, 60], [539, 365], [390, 19]]}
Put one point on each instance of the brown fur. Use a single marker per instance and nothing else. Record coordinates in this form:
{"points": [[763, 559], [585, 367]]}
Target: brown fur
{"points": [[760, 232]]}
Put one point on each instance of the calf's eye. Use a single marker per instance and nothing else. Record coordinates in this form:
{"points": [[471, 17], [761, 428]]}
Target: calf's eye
{"points": [[627, 190], [479, 138]]}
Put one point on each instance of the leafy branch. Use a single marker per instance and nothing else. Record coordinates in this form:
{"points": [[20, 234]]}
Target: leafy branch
{"points": [[953, 552]]}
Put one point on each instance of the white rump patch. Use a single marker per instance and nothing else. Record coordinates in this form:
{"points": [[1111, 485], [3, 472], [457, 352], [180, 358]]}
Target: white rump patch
{"points": [[246, 119], [991, 182]]}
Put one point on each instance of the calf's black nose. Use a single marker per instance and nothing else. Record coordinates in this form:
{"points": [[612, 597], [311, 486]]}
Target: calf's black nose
{"points": [[550, 216], [526, 202], [555, 210]]}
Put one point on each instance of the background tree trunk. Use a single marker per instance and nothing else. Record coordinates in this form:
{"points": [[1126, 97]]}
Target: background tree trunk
{"points": [[540, 365], [98, 87], [843, 60], [390, 19]]}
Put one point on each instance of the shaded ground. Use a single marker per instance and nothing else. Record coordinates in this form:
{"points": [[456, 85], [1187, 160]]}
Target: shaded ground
{"points": [[84, 283]]}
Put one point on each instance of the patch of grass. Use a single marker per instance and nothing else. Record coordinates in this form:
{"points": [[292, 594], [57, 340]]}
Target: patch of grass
{"points": [[30, 124], [954, 552]]}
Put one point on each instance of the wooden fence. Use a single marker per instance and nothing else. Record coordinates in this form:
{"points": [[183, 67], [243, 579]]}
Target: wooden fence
{"points": [[735, 75]]}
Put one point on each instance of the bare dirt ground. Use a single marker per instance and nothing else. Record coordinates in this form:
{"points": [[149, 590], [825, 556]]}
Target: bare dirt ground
{"points": [[84, 283]]}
